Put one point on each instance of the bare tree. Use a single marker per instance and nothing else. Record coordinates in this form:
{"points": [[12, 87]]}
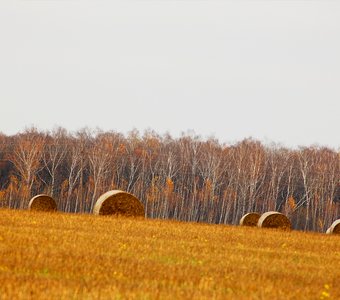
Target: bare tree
{"points": [[26, 157], [53, 155]]}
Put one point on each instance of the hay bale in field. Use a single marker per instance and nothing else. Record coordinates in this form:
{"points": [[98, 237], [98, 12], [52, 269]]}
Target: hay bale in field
{"points": [[42, 203], [334, 228], [118, 202], [250, 219], [274, 219]]}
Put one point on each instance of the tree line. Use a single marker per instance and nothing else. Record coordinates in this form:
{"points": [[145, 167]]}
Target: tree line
{"points": [[185, 178]]}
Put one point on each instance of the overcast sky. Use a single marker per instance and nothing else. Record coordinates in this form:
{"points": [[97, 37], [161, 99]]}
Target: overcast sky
{"points": [[230, 69]]}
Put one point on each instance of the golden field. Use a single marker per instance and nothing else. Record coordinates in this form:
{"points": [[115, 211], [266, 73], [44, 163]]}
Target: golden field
{"points": [[72, 256]]}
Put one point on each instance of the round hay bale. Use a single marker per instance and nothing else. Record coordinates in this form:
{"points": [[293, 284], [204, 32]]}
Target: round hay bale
{"points": [[250, 219], [334, 228], [118, 202], [42, 203], [274, 219]]}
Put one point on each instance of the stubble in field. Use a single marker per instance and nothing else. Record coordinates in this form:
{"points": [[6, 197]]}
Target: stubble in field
{"points": [[64, 256]]}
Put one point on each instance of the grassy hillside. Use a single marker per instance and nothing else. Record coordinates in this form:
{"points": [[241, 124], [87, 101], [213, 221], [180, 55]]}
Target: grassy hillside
{"points": [[65, 256]]}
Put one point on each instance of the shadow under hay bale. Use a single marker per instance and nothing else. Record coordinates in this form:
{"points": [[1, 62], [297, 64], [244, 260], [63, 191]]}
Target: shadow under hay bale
{"points": [[118, 202], [42, 203], [274, 219], [334, 228], [250, 219]]}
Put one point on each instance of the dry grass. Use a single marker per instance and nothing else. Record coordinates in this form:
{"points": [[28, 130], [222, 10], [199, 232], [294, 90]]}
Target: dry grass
{"points": [[250, 219], [273, 219], [64, 256], [117, 202], [42, 203]]}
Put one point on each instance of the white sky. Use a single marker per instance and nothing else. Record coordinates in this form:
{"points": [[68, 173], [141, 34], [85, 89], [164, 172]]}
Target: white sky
{"points": [[232, 69]]}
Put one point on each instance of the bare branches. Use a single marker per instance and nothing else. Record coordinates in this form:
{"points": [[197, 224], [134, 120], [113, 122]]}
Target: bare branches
{"points": [[185, 178]]}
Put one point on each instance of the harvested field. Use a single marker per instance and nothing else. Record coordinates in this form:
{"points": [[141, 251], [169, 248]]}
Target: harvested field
{"points": [[70, 256]]}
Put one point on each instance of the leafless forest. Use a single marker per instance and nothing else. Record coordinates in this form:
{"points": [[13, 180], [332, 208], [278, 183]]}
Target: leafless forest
{"points": [[182, 178]]}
